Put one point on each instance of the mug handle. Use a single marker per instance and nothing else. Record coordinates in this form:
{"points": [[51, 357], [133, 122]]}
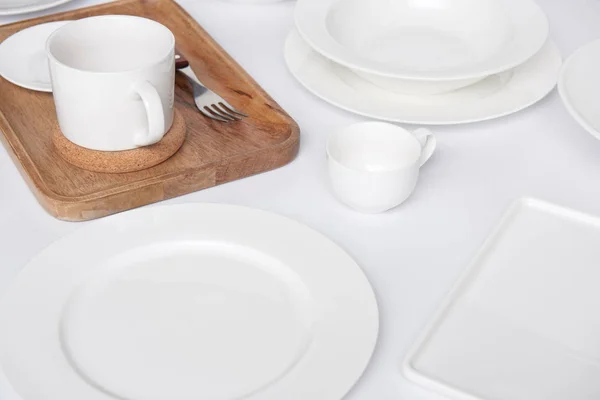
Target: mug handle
{"points": [[155, 113], [428, 143]]}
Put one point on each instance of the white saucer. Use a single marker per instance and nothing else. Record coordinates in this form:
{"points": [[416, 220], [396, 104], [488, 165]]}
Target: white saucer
{"points": [[13, 7], [194, 301], [579, 86], [23, 58], [493, 97]]}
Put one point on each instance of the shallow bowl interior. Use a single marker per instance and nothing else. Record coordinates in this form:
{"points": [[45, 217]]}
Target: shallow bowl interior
{"points": [[424, 35]]}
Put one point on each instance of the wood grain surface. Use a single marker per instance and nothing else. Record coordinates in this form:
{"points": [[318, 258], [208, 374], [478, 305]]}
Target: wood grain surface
{"points": [[213, 153]]}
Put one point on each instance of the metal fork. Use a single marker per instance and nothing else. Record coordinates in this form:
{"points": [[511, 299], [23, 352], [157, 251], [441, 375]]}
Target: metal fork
{"points": [[208, 102]]}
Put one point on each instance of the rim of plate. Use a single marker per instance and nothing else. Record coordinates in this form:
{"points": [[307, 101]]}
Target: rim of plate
{"points": [[27, 86], [552, 50], [33, 8], [531, 30], [172, 223], [15, 36], [565, 94]]}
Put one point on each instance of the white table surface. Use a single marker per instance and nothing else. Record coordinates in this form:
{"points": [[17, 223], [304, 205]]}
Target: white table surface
{"points": [[413, 254]]}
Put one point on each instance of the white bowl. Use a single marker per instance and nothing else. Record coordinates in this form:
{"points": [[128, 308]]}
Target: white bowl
{"points": [[496, 96], [441, 45]]}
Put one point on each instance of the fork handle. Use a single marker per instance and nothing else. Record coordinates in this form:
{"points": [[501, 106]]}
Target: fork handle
{"points": [[181, 62]]}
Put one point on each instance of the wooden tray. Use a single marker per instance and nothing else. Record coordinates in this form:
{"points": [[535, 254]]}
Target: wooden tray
{"points": [[213, 153]]}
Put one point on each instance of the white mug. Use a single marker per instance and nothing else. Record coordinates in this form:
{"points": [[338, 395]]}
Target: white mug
{"points": [[374, 166], [113, 81]]}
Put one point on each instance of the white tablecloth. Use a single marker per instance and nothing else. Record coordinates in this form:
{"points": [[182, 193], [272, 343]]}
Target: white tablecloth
{"points": [[413, 254]]}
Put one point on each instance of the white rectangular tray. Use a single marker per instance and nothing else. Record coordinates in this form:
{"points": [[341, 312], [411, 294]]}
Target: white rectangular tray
{"points": [[523, 323]]}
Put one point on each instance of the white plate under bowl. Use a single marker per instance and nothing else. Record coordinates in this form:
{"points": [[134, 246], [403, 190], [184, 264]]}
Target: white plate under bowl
{"points": [[196, 301], [493, 97], [579, 86], [424, 39], [23, 59], [13, 7], [522, 323]]}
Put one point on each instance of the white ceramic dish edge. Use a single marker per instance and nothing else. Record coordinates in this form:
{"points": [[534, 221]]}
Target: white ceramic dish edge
{"points": [[418, 120], [564, 93], [462, 282], [19, 41], [33, 8]]}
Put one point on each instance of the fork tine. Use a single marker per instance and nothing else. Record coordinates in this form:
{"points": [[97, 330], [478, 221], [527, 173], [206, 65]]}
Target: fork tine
{"points": [[216, 111], [210, 115], [229, 107], [223, 111], [217, 115]]}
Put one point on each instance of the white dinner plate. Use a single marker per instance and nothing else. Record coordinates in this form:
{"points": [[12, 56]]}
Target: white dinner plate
{"points": [[493, 97], [424, 39], [13, 7], [579, 86], [522, 323], [195, 301], [23, 59]]}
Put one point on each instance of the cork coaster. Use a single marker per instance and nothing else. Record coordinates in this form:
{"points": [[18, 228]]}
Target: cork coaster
{"points": [[114, 162]]}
